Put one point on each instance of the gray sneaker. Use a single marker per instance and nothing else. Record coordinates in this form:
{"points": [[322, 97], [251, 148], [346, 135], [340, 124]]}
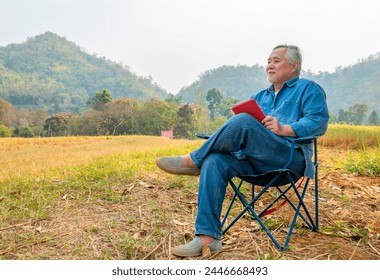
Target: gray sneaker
{"points": [[172, 165], [194, 248]]}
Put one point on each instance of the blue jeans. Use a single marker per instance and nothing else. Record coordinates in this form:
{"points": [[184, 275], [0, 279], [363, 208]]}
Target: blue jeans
{"points": [[241, 146]]}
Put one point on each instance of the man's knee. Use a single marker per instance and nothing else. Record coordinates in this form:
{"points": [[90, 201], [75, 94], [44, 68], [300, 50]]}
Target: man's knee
{"points": [[222, 165], [243, 120], [215, 162]]}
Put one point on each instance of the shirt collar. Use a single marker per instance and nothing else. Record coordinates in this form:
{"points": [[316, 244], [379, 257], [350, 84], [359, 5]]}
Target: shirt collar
{"points": [[291, 82], [288, 83]]}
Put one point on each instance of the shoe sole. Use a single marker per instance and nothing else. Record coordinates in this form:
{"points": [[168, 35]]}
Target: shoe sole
{"points": [[179, 171], [183, 254]]}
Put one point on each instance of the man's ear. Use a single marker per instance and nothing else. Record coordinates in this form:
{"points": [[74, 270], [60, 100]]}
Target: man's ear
{"points": [[295, 67]]}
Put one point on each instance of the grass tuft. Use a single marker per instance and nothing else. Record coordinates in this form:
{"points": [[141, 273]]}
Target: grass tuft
{"points": [[363, 163]]}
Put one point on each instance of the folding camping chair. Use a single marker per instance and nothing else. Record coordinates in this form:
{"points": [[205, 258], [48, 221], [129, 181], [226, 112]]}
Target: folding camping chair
{"points": [[287, 185]]}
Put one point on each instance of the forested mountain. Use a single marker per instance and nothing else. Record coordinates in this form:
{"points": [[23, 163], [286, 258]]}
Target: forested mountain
{"points": [[49, 72], [355, 84], [347, 86], [233, 81]]}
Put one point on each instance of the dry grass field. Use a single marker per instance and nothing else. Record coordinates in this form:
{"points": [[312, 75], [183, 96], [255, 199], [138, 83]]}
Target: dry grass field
{"points": [[101, 198]]}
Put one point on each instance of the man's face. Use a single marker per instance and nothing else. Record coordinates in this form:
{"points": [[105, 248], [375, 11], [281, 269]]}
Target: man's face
{"points": [[278, 69]]}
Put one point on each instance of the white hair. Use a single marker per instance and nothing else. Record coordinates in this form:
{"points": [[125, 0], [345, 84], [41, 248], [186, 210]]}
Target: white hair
{"points": [[293, 55]]}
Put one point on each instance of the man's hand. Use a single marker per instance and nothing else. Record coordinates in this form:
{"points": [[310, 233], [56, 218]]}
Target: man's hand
{"points": [[273, 125]]}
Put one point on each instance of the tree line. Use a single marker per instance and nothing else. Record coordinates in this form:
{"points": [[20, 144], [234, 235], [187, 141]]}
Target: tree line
{"points": [[126, 116], [108, 116]]}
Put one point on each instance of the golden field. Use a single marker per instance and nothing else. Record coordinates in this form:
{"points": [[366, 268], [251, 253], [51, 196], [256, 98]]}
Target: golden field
{"points": [[104, 198]]}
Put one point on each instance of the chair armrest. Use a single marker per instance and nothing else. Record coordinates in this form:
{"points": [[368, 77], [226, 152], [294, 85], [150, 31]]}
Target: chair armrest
{"points": [[301, 140], [202, 135], [305, 140]]}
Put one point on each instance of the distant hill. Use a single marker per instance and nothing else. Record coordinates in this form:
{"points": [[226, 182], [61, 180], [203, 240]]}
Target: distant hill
{"points": [[233, 81], [50, 72], [358, 83]]}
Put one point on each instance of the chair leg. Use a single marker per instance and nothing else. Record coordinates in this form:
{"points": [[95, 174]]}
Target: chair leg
{"points": [[316, 201], [300, 200], [231, 203], [243, 201], [309, 222], [316, 164], [249, 206]]}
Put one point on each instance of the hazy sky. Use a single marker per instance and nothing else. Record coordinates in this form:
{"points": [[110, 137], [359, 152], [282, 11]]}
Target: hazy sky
{"points": [[176, 40]]}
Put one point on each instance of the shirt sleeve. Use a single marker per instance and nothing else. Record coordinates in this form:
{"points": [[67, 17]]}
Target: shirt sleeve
{"points": [[314, 113]]}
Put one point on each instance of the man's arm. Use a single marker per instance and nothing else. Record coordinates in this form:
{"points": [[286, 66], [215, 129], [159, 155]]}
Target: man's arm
{"points": [[273, 125]]}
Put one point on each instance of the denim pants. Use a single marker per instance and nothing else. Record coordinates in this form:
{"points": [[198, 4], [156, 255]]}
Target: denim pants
{"points": [[241, 146]]}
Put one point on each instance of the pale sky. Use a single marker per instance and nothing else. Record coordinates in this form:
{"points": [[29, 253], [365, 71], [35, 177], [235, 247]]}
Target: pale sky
{"points": [[174, 41]]}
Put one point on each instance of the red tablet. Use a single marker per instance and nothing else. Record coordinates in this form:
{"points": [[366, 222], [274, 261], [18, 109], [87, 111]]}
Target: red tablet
{"points": [[251, 107]]}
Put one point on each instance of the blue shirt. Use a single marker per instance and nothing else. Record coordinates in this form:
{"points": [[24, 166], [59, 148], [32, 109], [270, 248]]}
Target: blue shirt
{"points": [[300, 103]]}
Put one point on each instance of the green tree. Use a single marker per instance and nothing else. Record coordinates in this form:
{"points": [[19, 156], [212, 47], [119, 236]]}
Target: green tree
{"points": [[372, 119], [156, 115], [75, 125], [224, 108], [99, 100], [174, 98], [57, 125], [213, 126], [354, 115], [333, 118], [5, 131], [24, 131], [190, 121], [343, 116], [358, 111], [214, 98]]}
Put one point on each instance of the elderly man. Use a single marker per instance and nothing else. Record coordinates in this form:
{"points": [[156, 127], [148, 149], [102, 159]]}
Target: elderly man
{"points": [[294, 107]]}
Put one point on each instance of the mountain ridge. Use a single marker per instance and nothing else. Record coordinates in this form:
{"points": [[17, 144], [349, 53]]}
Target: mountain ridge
{"points": [[52, 73], [347, 86]]}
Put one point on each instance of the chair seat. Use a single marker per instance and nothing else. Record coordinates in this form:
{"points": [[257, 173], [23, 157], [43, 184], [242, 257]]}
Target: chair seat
{"points": [[262, 179]]}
